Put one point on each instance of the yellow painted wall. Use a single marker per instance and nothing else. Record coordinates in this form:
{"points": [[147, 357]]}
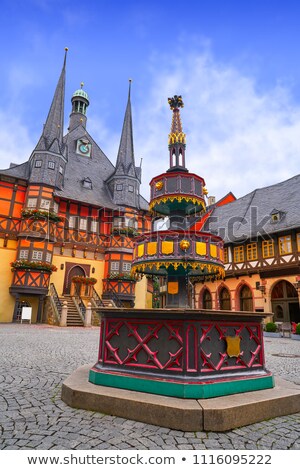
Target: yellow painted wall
{"points": [[149, 296], [58, 276], [7, 301], [141, 293]]}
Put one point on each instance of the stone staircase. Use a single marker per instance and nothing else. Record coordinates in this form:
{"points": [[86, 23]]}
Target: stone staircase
{"points": [[108, 303], [73, 318]]}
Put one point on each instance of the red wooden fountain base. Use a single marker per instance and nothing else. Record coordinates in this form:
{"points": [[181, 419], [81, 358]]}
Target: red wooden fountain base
{"points": [[181, 353]]}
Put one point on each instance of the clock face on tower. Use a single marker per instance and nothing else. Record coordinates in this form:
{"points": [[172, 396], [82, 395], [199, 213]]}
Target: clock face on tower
{"points": [[83, 147]]}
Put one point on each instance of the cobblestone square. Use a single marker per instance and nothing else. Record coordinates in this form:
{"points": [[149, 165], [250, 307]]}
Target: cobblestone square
{"points": [[35, 360]]}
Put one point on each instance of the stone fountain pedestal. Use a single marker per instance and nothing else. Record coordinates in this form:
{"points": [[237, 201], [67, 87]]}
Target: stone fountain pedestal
{"points": [[185, 369]]}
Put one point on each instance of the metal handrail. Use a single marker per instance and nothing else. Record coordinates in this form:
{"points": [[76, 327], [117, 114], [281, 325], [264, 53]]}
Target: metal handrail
{"points": [[55, 301], [79, 304], [118, 302], [96, 298]]}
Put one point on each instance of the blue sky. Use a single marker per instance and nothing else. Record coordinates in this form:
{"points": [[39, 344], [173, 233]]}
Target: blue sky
{"points": [[236, 64]]}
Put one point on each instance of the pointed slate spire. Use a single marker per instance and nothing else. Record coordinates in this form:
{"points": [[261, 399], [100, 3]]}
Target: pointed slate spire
{"points": [[125, 161], [124, 183], [52, 135]]}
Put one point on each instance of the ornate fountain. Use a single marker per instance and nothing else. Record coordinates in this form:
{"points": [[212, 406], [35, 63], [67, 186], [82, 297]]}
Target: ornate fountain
{"points": [[179, 253], [180, 351]]}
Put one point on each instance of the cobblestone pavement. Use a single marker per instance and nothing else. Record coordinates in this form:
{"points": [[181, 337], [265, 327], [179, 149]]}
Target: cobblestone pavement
{"points": [[35, 360]]}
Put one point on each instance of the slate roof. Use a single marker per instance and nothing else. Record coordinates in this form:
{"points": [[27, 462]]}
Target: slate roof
{"points": [[21, 171], [97, 168], [250, 216]]}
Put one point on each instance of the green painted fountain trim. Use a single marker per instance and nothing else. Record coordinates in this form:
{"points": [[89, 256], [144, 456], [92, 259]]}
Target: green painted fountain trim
{"points": [[210, 389]]}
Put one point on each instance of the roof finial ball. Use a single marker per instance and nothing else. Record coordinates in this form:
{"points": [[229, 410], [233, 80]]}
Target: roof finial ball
{"points": [[66, 49], [129, 89], [81, 85]]}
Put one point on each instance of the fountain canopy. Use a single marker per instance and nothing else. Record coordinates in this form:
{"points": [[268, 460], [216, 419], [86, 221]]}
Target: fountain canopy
{"points": [[174, 248]]}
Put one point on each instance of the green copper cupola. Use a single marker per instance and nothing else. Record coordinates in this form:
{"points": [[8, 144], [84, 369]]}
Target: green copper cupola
{"points": [[80, 102]]}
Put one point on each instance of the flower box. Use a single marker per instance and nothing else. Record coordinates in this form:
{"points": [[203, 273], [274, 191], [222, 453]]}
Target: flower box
{"points": [[33, 265], [272, 334], [121, 277], [127, 231], [296, 337], [84, 280], [40, 214]]}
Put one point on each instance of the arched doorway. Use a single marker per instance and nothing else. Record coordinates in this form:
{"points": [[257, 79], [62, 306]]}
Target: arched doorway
{"points": [[206, 300], [246, 299], [74, 271], [224, 297], [285, 302]]}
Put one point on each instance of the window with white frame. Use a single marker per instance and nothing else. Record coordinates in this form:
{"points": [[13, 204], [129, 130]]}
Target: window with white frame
{"points": [[48, 257], [118, 222], [23, 254], [37, 255], [32, 202], [38, 163], [51, 165], [45, 204], [131, 222], [94, 225], [114, 266], [82, 224], [55, 207], [127, 267], [61, 170], [72, 221]]}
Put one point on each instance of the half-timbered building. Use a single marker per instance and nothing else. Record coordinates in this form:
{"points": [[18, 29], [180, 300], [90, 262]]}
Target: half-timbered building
{"points": [[261, 232], [68, 218]]}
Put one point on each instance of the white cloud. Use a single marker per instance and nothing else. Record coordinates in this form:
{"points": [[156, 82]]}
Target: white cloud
{"points": [[237, 138], [17, 145]]}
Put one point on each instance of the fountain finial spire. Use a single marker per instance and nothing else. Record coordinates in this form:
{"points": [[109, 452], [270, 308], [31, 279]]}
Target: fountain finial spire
{"points": [[177, 137]]}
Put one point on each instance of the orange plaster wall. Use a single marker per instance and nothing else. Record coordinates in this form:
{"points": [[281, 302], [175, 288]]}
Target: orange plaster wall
{"points": [[234, 285], [4, 207]]}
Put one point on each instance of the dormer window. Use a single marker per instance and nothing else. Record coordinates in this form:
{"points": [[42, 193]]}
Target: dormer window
{"points": [[87, 183], [276, 216]]}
